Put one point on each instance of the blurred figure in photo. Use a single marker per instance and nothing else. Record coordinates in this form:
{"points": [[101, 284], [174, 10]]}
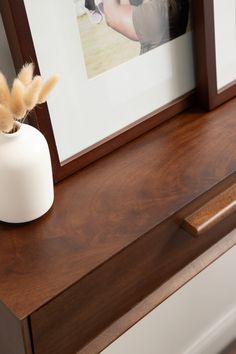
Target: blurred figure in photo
{"points": [[150, 22], [115, 31], [95, 11], [93, 8]]}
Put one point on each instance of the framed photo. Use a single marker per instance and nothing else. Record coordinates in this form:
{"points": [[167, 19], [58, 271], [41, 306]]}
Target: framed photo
{"points": [[215, 40], [119, 76]]}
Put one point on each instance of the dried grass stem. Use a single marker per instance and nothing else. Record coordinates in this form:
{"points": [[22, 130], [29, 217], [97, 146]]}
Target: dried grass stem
{"points": [[27, 91]]}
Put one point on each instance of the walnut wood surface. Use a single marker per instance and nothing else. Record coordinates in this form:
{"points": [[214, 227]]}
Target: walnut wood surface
{"points": [[112, 236], [212, 212], [155, 298], [76, 317], [107, 206]]}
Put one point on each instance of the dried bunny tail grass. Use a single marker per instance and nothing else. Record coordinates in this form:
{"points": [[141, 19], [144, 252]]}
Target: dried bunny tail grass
{"points": [[26, 74], [47, 88], [32, 93], [6, 119], [4, 90], [17, 103]]}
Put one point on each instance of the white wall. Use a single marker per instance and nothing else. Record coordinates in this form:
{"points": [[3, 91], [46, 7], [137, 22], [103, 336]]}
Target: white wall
{"points": [[225, 34], [6, 63], [200, 318]]}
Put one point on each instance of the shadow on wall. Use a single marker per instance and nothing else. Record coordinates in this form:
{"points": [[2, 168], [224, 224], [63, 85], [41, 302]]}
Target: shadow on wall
{"points": [[6, 62]]}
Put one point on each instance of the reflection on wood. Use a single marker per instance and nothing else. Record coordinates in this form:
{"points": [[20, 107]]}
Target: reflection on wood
{"points": [[212, 213]]}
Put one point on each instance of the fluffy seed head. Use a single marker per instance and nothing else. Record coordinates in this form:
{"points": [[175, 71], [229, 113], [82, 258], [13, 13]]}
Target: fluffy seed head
{"points": [[26, 74], [4, 90], [17, 102], [6, 119], [32, 93], [47, 88]]}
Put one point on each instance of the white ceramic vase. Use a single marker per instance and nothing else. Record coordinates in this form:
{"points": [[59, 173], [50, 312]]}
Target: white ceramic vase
{"points": [[26, 183]]}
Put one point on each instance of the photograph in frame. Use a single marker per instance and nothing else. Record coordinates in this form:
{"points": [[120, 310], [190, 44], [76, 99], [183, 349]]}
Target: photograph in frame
{"points": [[107, 42], [86, 118]]}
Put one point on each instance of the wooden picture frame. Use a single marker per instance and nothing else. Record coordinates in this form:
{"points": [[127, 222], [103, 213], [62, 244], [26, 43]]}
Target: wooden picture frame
{"points": [[204, 32], [23, 50]]}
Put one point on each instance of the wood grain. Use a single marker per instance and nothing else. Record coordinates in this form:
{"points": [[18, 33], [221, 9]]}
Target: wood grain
{"points": [[136, 313], [212, 213], [112, 236], [76, 317], [112, 203]]}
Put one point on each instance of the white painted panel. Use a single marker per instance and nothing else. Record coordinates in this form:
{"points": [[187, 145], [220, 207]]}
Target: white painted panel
{"points": [[225, 34], [200, 318]]}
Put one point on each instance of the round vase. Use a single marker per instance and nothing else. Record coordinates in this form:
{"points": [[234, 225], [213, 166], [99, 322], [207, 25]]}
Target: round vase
{"points": [[26, 182]]}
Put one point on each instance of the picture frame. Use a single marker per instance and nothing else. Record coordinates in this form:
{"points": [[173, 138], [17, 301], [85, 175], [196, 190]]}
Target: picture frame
{"points": [[206, 32], [23, 48]]}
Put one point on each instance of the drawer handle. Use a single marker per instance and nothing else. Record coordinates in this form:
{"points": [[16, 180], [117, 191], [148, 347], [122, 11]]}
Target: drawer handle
{"points": [[213, 212]]}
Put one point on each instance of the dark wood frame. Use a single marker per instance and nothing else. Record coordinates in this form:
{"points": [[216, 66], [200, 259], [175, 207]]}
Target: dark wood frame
{"points": [[208, 94], [22, 49]]}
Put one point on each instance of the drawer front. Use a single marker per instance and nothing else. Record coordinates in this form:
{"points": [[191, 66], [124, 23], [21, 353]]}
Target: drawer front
{"points": [[14, 334], [74, 318]]}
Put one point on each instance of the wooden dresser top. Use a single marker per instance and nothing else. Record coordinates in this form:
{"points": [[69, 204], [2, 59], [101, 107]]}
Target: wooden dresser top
{"points": [[105, 207]]}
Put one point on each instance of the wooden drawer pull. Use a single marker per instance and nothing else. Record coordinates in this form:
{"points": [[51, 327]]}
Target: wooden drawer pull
{"points": [[209, 215]]}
